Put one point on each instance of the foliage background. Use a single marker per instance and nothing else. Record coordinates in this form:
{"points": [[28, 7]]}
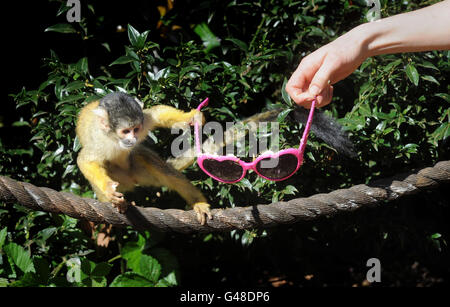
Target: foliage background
{"points": [[238, 53]]}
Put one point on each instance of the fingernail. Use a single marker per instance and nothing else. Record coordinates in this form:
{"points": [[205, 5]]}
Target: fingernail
{"points": [[314, 90]]}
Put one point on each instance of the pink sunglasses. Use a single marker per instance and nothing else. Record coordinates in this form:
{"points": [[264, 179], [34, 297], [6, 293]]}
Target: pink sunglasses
{"points": [[230, 169]]}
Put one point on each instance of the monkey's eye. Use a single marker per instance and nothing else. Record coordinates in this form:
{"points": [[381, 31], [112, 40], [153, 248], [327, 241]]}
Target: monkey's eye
{"points": [[126, 131], [136, 130]]}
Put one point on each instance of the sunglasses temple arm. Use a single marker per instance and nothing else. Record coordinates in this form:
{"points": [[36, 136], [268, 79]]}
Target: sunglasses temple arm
{"points": [[307, 128], [203, 104], [197, 128]]}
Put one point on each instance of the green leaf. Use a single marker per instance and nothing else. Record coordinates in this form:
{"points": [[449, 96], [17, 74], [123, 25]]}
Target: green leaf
{"points": [[61, 28], [412, 74], [62, 9], [366, 63], [47, 232], [381, 126], [132, 252], [149, 267], [133, 35], [310, 155], [21, 124], [69, 169], [284, 94], [106, 45], [364, 109], [411, 148], [101, 269], [210, 40], [3, 282], [168, 261], [98, 281], [137, 39], [58, 151], [45, 84], [436, 235], [282, 115], [20, 257], [242, 45], [20, 152], [130, 279], [3, 234], [442, 132], [427, 64], [391, 65], [290, 190], [27, 280], [227, 111], [82, 65], [315, 31], [444, 96], [169, 280], [245, 182], [430, 79], [86, 267], [75, 85], [122, 60], [142, 39]]}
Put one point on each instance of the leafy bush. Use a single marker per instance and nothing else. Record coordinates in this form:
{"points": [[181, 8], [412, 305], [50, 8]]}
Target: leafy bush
{"points": [[395, 107]]}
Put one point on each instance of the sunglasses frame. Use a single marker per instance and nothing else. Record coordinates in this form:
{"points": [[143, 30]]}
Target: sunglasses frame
{"points": [[297, 152]]}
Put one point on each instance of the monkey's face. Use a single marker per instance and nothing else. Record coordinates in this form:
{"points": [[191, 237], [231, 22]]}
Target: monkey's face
{"points": [[121, 117], [129, 135]]}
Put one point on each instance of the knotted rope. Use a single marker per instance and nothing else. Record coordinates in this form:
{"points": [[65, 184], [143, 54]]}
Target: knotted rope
{"points": [[258, 216]]}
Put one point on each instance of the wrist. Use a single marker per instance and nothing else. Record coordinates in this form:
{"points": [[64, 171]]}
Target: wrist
{"points": [[370, 37]]}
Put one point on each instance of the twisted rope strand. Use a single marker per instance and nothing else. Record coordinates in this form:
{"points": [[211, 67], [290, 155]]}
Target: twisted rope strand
{"points": [[258, 216]]}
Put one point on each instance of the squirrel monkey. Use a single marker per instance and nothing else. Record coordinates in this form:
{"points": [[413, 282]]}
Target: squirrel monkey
{"points": [[113, 159]]}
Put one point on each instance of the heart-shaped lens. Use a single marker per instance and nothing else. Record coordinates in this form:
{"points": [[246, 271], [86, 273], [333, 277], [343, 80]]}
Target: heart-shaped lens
{"points": [[275, 170], [226, 170]]}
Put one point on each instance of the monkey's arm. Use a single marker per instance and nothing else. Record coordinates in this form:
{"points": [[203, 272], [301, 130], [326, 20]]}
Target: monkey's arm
{"points": [[103, 185], [150, 170], [168, 117], [94, 173]]}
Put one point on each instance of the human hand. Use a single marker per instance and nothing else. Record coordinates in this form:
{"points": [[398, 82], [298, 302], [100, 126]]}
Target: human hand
{"points": [[421, 30], [317, 72]]}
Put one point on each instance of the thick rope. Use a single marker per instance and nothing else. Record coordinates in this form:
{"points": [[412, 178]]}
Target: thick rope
{"points": [[258, 216]]}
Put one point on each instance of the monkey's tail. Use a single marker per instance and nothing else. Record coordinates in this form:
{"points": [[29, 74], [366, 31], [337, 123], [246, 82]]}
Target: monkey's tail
{"points": [[323, 126], [327, 129]]}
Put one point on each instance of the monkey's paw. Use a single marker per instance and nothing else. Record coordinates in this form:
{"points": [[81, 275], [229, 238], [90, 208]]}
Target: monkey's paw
{"points": [[116, 198], [202, 210], [198, 117]]}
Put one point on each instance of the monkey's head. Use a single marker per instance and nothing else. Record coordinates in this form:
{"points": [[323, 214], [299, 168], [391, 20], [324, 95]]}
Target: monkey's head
{"points": [[121, 117]]}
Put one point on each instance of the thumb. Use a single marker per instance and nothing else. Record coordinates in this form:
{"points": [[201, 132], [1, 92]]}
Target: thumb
{"points": [[321, 79]]}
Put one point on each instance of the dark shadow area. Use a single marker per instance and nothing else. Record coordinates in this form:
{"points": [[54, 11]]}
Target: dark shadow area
{"points": [[330, 252]]}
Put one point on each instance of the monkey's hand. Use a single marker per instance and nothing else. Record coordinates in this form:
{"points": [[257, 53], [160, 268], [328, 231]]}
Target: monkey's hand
{"points": [[202, 210], [196, 116], [116, 198], [170, 117]]}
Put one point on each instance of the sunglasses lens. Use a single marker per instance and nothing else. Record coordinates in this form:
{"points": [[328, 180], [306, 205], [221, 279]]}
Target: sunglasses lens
{"points": [[287, 164], [226, 170]]}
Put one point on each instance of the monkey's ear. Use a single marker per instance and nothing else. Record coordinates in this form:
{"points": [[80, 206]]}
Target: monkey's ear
{"points": [[102, 117], [140, 103]]}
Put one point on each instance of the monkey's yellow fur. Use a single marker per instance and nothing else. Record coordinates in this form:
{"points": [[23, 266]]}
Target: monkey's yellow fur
{"points": [[111, 169]]}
